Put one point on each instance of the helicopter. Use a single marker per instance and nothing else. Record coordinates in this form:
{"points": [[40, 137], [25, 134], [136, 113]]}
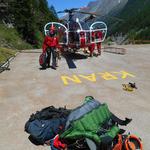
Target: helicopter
{"points": [[75, 34]]}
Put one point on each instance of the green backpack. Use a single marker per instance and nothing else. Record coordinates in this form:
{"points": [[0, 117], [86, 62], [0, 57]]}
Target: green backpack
{"points": [[94, 121]]}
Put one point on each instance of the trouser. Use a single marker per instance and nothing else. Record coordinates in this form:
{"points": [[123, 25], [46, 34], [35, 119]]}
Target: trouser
{"points": [[91, 48], [98, 47], [51, 50]]}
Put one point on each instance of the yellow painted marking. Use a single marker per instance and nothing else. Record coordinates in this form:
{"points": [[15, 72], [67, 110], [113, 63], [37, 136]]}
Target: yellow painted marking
{"points": [[74, 79], [91, 77], [108, 76], [124, 74]]}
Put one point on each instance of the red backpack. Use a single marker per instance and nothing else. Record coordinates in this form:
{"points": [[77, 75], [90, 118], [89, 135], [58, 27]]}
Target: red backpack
{"points": [[42, 60]]}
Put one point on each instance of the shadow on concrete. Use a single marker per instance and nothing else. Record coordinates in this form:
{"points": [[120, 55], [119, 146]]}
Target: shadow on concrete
{"points": [[47, 68], [42, 68], [72, 57]]}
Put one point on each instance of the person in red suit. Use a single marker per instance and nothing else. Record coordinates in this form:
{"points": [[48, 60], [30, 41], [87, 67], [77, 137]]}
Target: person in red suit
{"points": [[91, 46], [50, 46], [82, 41], [99, 37]]}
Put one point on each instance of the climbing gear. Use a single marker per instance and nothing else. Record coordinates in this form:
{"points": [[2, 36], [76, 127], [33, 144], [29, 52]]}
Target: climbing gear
{"points": [[133, 85], [129, 87], [118, 145], [132, 142], [127, 142], [90, 126]]}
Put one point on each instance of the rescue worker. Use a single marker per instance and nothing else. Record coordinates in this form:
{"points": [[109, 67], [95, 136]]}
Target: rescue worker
{"points": [[99, 37], [50, 46], [82, 41], [91, 46]]}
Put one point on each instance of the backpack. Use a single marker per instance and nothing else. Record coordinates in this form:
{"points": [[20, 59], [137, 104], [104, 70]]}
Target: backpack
{"points": [[93, 120], [42, 60], [45, 124]]}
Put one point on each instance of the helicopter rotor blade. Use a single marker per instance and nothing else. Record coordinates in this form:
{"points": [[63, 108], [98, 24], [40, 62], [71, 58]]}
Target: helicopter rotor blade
{"points": [[93, 14], [74, 9], [89, 18], [89, 13], [64, 11], [68, 10], [61, 12]]}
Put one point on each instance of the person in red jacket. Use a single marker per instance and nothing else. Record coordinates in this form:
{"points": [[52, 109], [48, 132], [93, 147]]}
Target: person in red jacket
{"points": [[83, 41], [50, 46], [91, 46]]}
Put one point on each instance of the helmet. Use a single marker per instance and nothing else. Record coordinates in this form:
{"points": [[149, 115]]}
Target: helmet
{"points": [[52, 27], [82, 33], [52, 31]]}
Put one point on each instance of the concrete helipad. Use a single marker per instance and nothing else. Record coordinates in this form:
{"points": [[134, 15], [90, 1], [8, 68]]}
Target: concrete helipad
{"points": [[25, 89]]}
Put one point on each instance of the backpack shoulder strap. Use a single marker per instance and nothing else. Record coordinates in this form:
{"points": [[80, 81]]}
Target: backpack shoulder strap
{"points": [[120, 121]]}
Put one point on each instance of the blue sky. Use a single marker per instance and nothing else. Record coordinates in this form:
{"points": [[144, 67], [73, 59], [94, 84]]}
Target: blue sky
{"points": [[63, 4]]}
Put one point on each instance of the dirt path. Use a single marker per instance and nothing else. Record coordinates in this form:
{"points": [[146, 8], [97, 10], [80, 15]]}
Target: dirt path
{"points": [[25, 89]]}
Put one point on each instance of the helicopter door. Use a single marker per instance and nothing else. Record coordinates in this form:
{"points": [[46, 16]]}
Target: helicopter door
{"points": [[61, 31], [98, 30]]}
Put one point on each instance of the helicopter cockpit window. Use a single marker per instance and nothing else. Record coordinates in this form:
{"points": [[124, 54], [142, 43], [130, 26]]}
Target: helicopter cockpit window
{"points": [[86, 31], [74, 26], [73, 34], [84, 25]]}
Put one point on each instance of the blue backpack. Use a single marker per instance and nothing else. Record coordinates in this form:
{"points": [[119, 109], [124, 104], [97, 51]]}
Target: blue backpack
{"points": [[45, 124]]}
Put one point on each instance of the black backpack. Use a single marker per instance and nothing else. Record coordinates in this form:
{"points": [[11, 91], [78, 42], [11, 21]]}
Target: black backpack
{"points": [[45, 124]]}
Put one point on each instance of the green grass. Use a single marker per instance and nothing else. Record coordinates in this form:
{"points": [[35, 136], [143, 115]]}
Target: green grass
{"points": [[5, 54], [10, 43], [10, 38]]}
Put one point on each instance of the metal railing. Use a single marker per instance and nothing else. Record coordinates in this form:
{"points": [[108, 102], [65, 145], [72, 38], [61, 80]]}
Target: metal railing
{"points": [[4, 66]]}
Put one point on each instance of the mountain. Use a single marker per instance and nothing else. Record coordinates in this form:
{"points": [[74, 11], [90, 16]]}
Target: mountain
{"points": [[136, 20], [102, 7], [134, 17]]}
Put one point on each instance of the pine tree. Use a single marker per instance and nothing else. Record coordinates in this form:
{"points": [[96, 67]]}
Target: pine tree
{"points": [[30, 17], [52, 9], [25, 20], [45, 15]]}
